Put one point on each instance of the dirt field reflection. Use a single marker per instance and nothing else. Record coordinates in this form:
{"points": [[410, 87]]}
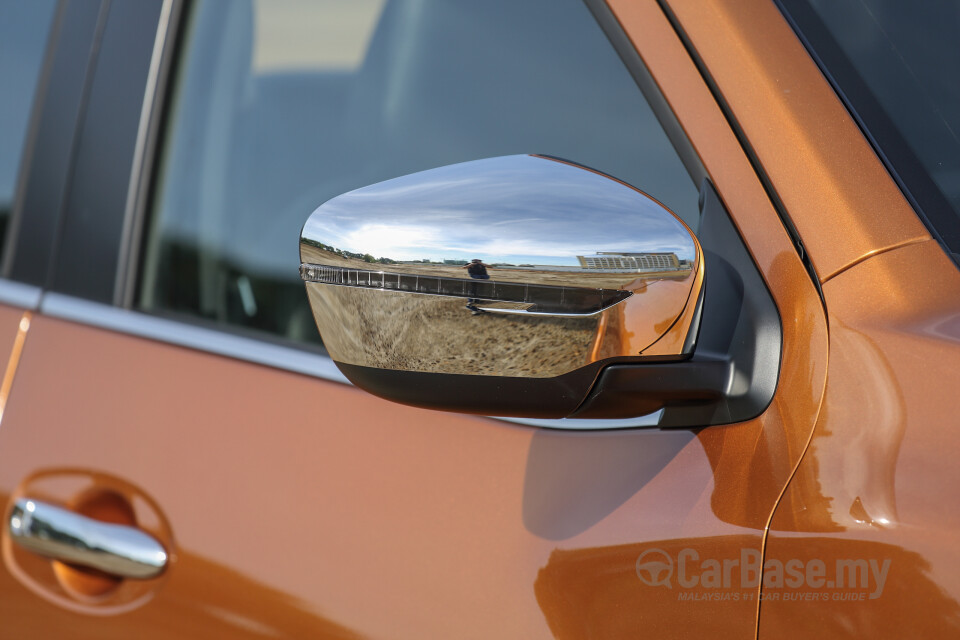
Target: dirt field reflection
{"points": [[411, 332], [446, 334]]}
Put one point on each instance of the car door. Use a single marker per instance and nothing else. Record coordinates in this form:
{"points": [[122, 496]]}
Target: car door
{"points": [[171, 381]]}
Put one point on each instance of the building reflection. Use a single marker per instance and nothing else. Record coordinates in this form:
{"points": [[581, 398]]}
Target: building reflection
{"points": [[639, 262]]}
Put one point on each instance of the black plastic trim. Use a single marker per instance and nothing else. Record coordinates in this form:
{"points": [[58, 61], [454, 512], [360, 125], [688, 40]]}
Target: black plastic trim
{"points": [[733, 373], [555, 397]]}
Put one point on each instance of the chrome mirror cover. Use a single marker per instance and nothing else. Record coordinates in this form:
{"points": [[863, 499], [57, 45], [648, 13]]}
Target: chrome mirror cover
{"points": [[521, 266]]}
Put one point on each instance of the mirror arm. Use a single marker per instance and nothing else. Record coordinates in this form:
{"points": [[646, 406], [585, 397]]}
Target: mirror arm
{"points": [[698, 386], [733, 372]]}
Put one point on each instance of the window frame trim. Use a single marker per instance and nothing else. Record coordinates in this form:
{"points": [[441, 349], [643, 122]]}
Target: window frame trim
{"points": [[146, 149], [20, 295]]}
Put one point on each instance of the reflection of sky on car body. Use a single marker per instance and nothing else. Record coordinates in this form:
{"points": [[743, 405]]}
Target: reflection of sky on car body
{"points": [[516, 210]]}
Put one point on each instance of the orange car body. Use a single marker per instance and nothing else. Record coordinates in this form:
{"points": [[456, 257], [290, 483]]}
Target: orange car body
{"points": [[298, 507]]}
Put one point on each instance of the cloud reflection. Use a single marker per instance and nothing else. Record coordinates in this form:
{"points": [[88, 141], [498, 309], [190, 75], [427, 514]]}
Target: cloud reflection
{"points": [[514, 209]]}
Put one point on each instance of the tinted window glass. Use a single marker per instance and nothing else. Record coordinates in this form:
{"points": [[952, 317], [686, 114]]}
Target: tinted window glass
{"points": [[24, 28], [897, 64], [280, 106]]}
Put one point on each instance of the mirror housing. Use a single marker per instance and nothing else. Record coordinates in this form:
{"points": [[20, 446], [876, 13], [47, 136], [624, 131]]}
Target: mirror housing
{"points": [[507, 286]]}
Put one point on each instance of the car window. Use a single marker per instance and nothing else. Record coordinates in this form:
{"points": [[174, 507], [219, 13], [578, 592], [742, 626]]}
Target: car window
{"points": [[277, 107], [897, 64], [24, 29]]}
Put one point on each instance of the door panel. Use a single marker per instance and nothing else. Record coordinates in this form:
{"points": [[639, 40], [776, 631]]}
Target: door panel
{"points": [[298, 505]]}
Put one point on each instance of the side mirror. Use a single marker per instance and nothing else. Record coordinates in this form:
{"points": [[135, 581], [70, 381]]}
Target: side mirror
{"points": [[515, 286]]}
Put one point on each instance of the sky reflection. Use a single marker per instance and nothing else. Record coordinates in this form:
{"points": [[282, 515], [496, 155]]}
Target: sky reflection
{"points": [[515, 209]]}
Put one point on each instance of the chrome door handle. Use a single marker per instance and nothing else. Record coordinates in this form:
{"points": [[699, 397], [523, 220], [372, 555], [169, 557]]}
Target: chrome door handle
{"points": [[63, 535]]}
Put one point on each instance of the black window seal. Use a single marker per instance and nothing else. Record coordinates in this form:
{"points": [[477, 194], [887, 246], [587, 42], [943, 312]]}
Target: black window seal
{"points": [[748, 149], [143, 177]]}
